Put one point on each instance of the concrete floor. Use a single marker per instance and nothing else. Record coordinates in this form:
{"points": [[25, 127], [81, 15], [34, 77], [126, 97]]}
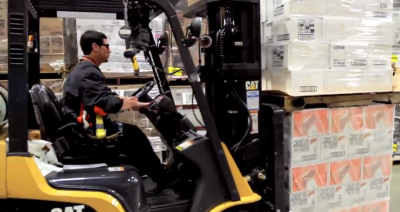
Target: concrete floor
{"points": [[395, 189]]}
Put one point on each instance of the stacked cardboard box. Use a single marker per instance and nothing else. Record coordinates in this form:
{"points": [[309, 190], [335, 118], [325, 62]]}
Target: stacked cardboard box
{"points": [[52, 55], [3, 35], [339, 159], [327, 46]]}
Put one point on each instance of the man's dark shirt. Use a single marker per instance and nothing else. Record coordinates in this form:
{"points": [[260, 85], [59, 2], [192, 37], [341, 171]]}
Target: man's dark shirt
{"points": [[86, 85]]}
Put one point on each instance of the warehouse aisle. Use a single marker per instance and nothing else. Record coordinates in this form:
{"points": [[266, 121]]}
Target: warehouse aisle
{"points": [[395, 189]]}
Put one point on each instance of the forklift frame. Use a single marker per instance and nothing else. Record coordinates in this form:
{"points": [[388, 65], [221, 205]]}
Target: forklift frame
{"points": [[22, 13]]}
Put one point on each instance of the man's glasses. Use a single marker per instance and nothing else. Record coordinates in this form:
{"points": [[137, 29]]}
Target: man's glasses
{"points": [[105, 45]]}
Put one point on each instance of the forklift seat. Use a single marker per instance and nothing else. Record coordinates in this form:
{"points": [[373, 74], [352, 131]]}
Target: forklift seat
{"points": [[69, 140]]}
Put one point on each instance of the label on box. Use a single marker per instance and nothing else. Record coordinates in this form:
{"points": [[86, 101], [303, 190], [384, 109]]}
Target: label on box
{"points": [[339, 63], [3, 28], [379, 188], [380, 62], [333, 147], [396, 3], [278, 55], [279, 7], [359, 63], [188, 99], [303, 201], [306, 29], [309, 177], [355, 193], [346, 171], [331, 198], [305, 151], [45, 45], [359, 144], [57, 44]]}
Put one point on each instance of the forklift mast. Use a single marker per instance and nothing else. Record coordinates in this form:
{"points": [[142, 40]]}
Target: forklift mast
{"points": [[232, 71]]}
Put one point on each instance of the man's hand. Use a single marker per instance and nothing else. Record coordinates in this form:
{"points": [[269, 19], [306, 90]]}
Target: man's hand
{"points": [[133, 103]]}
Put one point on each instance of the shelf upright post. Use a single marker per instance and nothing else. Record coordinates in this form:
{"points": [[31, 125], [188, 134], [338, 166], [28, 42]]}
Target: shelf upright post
{"points": [[18, 77]]}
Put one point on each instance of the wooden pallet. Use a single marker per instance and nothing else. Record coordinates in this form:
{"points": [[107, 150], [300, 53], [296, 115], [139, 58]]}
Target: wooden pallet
{"points": [[290, 103]]}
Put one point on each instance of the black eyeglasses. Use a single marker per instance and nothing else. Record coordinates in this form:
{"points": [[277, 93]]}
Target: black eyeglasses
{"points": [[106, 45]]}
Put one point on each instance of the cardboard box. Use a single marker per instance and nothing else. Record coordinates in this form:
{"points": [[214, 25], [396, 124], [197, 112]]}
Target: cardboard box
{"points": [[355, 194], [378, 188], [307, 178], [345, 171], [379, 117], [51, 36], [376, 207], [308, 123], [331, 198], [377, 166], [347, 120]]}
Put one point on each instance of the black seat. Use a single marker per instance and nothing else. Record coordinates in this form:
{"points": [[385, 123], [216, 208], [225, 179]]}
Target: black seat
{"points": [[69, 139]]}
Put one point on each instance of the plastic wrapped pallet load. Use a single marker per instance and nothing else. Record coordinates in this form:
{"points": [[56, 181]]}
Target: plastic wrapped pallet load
{"points": [[336, 47]]}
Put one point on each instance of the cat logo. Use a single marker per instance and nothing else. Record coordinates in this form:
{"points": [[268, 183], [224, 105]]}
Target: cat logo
{"points": [[252, 85], [77, 208]]}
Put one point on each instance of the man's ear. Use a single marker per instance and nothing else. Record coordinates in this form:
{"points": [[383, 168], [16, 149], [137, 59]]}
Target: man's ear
{"points": [[95, 47]]}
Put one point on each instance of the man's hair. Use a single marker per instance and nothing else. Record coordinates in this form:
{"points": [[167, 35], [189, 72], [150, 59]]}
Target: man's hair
{"points": [[88, 38]]}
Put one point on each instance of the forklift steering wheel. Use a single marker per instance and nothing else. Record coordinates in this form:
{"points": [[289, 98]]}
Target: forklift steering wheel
{"points": [[142, 92]]}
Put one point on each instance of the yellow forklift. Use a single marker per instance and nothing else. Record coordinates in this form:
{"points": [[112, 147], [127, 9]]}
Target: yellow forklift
{"points": [[212, 179]]}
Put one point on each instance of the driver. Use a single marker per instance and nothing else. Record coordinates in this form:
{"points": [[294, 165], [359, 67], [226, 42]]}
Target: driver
{"points": [[85, 93]]}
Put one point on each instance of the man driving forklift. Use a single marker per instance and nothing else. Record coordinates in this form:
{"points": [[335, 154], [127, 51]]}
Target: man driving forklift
{"points": [[86, 96]]}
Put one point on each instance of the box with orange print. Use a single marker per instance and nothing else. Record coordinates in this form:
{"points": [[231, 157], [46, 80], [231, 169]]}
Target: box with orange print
{"points": [[346, 139], [303, 133], [307, 177], [379, 118], [353, 209], [347, 174], [303, 184], [376, 173], [381, 206]]}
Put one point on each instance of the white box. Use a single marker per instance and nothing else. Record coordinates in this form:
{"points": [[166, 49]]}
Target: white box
{"points": [[283, 8], [304, 28], [359, 145], [331, 198], [304, 150], [334, 147], [342, 81], [349, 56], [295, 83], [303, 201], [361, 8], [379, 189], [376, 81], [359, 30], [380, 57], [297, 56]]}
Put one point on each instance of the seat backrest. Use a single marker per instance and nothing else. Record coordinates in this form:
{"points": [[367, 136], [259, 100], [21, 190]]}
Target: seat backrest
{"points": [[47, 111]]}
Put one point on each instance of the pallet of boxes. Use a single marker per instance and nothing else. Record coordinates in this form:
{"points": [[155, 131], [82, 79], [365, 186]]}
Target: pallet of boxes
{"points": [[334, 56]]}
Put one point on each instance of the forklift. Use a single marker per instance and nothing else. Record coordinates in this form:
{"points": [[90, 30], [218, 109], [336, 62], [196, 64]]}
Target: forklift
{"points": [[225, 170]]}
